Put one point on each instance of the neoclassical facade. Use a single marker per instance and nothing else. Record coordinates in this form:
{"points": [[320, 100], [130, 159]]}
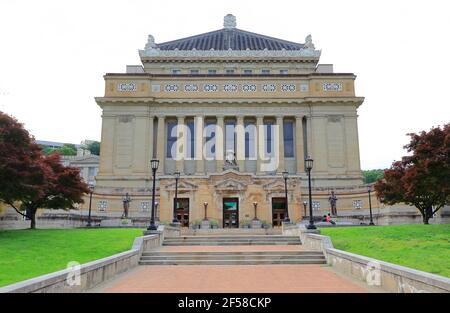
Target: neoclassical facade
{"points": [[230, 110]]}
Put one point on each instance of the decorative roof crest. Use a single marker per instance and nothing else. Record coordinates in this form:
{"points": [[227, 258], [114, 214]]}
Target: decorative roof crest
{"points": [[229, 21]]}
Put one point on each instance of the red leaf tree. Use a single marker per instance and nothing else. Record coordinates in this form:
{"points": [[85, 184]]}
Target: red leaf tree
{"points": [[32, 179], [423, 178]]}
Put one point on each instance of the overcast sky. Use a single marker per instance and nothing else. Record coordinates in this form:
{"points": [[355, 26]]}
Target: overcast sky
{"points": [[53, 55]]}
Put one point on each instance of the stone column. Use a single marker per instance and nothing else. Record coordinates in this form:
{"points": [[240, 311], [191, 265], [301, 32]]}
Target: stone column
{"points": [[280, 148], [181, 145], [319, 148], [259, 142], [142, 135], [220, 129], [240, 143], [199, 142], [299, 150], [161, 144]]}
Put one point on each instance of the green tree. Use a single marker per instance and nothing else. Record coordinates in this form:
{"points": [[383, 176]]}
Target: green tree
{"points": [[94, 147], [371, 176], [67, 149], [420, 179]]}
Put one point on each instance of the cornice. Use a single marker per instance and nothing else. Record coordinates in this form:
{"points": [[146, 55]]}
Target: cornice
{"points": [[307, 100]]}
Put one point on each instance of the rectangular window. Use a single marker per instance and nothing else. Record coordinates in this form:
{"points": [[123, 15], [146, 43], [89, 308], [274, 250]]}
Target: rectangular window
{"points": [[190, 140], [229, 71], [248, 71], [195, 72], [250, 146], [176, 72], [212, 71], [288, 133], [268, 139], [210, 140], [265, 71], [171, 139], [230, 135], [283, 72]]}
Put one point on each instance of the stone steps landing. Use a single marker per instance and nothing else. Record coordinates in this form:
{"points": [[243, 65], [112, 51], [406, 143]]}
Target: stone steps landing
{"points": [[232, 258], [231, 240]]}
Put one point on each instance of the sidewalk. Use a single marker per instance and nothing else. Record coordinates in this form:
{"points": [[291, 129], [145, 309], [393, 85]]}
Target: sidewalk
{"points": [[232, 279]]}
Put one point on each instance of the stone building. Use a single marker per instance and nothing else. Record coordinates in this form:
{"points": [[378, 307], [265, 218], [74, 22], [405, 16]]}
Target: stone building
{"points": [[230, 110]]}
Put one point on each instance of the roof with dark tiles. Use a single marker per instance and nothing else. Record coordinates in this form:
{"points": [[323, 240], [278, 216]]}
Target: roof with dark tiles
{"points": [[230, 38]]}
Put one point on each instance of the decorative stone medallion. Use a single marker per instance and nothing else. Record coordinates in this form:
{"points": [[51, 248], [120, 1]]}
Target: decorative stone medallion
{"points": [[249, 87], [269, 87], [210, 87], [332, 86], [171, 88], [190, 87], [230, 88], [288, 87], [126, 87]]}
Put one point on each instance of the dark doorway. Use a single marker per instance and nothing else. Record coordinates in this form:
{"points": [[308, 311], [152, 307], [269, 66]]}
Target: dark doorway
{"points": [[230, 213], [182, 211], [278, 210]]}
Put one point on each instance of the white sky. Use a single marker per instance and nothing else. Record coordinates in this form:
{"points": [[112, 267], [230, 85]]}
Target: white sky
{"points": [[53, 55]]}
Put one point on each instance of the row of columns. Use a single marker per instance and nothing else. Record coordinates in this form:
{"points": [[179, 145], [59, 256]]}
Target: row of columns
{"points": [[199, 122]]}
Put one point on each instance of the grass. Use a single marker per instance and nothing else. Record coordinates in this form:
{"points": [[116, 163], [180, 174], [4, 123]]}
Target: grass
{"points": [[422, 247], [29, 253]]}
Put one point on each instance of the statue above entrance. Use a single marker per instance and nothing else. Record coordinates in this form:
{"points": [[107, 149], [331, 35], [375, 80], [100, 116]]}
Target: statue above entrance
{"points": [[230, 161]]}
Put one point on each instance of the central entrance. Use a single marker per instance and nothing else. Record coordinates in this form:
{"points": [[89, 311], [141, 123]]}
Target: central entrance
{"points": [[182, 211], [230, 213], [278, 211]]}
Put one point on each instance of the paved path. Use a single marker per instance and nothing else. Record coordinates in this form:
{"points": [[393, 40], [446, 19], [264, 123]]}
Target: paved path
{"points": [[232, 278]]}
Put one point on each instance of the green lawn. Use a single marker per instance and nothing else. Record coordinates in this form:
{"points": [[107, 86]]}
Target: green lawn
{"points": [[422, 247], [29, 253]]}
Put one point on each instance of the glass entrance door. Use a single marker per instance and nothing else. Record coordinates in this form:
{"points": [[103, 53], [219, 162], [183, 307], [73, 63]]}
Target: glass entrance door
{"points": [[278, 211], [231, 213], [182, 211]]}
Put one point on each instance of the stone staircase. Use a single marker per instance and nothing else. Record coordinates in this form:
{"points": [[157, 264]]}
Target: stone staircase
{"points": [[232, 258], [282, 251], [231, 240]]}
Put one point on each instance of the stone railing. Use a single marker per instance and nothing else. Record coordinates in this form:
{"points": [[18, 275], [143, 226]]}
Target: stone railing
{"points": [[86, 276], [389, 277]]}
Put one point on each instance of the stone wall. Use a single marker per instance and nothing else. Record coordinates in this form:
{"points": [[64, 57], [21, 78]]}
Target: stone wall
{"points": [[388, 276], [93, 273]]}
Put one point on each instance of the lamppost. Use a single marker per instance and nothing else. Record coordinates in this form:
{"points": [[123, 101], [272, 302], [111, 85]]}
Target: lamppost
{"points": [[91, 191], [154, 165], [305, 203], [205, 204], [175, 201], [308, 167], [369, 190], [286, 217], [255, 205]]}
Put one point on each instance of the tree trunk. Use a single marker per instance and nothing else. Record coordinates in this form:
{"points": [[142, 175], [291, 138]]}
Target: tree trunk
{"points": [[33, 218], [426, 214]]}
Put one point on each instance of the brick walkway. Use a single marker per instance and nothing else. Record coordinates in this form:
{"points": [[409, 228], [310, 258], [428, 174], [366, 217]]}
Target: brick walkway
{"points": [[231, 278]]}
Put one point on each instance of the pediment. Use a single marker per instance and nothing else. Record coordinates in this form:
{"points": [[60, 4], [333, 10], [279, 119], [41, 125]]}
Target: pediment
{"points": [[278, 185], [230, 184], [182, 185]]}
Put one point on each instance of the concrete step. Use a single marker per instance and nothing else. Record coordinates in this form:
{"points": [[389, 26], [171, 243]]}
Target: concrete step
{"points": [[230, 257], [233, 261], [228, 243], [218, 253], [234, 237]]}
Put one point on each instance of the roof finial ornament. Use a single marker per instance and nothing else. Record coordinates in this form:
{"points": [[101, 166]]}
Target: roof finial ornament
{"points": [[229, 21], [308, 43], [150, 43]]}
